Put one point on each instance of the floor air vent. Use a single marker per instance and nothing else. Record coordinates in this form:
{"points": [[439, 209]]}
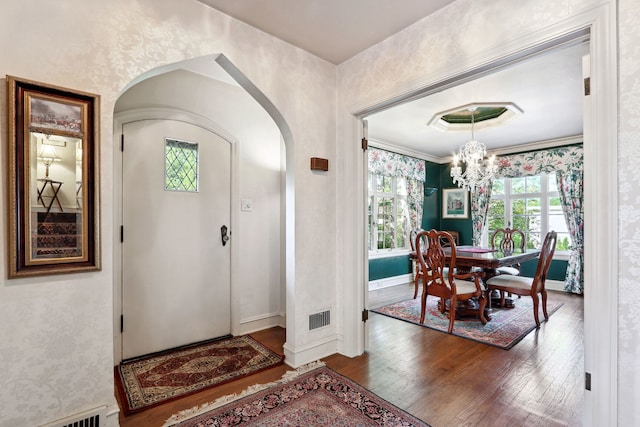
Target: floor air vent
{"points": [[93, 418], [319, 320]]}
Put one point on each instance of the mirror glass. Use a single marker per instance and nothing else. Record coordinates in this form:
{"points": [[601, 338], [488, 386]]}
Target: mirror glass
{"points": [[56, 202]]}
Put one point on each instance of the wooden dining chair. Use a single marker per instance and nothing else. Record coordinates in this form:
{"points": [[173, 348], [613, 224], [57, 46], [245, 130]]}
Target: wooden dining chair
{"points": [[508, 240], [456, 238], [524, 286], [453, 287], [417, 271]]}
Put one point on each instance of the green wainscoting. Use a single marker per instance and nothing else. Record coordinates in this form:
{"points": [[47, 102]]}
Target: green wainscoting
{"points": [[557, 270], [381, 268]]}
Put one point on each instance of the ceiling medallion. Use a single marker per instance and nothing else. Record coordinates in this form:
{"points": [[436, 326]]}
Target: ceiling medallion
{"points": [[485, 114]]}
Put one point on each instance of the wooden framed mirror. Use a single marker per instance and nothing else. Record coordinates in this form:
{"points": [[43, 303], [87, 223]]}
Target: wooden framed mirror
{"points": [[53, 179]]}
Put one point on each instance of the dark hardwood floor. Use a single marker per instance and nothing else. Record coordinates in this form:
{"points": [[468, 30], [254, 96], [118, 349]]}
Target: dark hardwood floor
{"points": [[443, 379]]}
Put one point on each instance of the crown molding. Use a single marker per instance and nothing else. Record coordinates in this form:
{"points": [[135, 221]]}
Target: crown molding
{"points": [[514, 149]]}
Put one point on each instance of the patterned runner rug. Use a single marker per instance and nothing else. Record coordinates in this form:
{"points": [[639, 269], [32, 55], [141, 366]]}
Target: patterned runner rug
{"points": [[150, 381], [505, 329], [313, 395]]}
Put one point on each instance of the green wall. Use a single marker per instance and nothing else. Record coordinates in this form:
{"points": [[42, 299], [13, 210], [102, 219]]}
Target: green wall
{"points": [[557, 269], [464, 227], [438, 177], [381, 268]]}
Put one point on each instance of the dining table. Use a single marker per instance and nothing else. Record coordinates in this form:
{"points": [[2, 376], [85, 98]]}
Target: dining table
{"points": [[487, 261]]}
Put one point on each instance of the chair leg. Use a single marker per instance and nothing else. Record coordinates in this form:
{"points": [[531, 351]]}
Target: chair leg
{"points": [[482, 302], [501, 299], [443, 305], [424, 305], [535, 309], [452, 312], [416, 282], [544, 304]]}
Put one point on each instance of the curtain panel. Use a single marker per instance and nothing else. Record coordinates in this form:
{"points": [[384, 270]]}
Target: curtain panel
{"points": [[480, 199], [570, 187]]}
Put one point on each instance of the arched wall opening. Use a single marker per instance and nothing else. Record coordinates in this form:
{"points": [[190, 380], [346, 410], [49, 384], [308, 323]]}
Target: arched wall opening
{"points": [[210, 92]]}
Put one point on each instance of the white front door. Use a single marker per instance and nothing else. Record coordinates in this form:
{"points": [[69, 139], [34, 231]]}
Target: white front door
{"points": [[175, 268]]}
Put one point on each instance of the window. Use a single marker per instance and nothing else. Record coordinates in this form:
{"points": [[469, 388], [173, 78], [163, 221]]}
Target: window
{"points": [[531, 204], [388, 213], [396, 196], [181, 166]]}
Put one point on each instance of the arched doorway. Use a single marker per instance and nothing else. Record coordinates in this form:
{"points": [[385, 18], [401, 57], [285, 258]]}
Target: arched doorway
{"points": [[202, 93]]}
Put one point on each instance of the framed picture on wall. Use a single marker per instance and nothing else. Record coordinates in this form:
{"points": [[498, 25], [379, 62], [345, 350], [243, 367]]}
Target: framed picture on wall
{"points": [[455, 203]]}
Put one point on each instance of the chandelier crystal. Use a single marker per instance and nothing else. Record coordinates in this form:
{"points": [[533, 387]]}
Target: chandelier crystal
{"points": [[477, 172]]}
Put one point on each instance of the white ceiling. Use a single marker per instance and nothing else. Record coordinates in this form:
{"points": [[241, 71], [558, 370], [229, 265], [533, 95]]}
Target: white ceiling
{"points": [[547, 87], [334, 30]]}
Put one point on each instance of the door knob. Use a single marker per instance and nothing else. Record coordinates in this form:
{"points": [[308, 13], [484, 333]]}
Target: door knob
{"points": [[225, 236]]}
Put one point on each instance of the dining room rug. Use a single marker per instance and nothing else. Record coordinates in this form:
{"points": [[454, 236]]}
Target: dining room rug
{"points": [[151, 380], [313, 395], [507, 326]]}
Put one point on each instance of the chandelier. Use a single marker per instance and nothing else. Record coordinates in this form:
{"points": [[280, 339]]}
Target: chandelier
{"points": [[477, 172]]}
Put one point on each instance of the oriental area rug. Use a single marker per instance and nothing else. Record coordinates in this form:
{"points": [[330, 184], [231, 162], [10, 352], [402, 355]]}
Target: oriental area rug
{"points": [[149, 381], [505, 329], [312, 395]]}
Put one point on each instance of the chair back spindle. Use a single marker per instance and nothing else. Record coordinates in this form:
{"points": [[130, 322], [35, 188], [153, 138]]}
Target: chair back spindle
{"points": [[505, 240]]}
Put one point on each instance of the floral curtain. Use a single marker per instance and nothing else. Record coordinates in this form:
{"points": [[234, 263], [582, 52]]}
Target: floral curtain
{"points": [[387, 163], [570, 187], [480, 198], [568, 163], [561, 159], [415, 201]]}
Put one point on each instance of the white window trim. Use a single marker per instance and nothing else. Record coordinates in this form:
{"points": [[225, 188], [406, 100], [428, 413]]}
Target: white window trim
{"points": [[544, 196], [388, 253], [385, 253]]}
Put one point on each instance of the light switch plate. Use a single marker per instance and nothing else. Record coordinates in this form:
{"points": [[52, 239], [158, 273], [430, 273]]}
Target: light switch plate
{"points": [[246, 204]]}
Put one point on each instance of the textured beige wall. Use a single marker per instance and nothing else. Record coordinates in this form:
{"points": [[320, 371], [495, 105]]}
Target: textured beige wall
{"points": [[460, 37], [629, 212], [56, 356]]}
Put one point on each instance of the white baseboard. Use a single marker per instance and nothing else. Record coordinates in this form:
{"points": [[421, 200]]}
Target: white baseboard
{"points": [[390, 281], [310, 353], [259, 323], [113, 412], [554, 285]]}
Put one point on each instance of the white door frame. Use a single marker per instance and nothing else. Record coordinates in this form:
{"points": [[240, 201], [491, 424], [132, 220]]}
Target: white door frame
{"points": [[601, 204], [119, 121]]}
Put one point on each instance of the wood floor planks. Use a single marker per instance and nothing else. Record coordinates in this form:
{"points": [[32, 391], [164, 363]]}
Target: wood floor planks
{"points": [[443, 379]]}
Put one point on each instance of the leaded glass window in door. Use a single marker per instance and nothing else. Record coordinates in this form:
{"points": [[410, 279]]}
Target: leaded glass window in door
{"points": [[181, 165]]}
